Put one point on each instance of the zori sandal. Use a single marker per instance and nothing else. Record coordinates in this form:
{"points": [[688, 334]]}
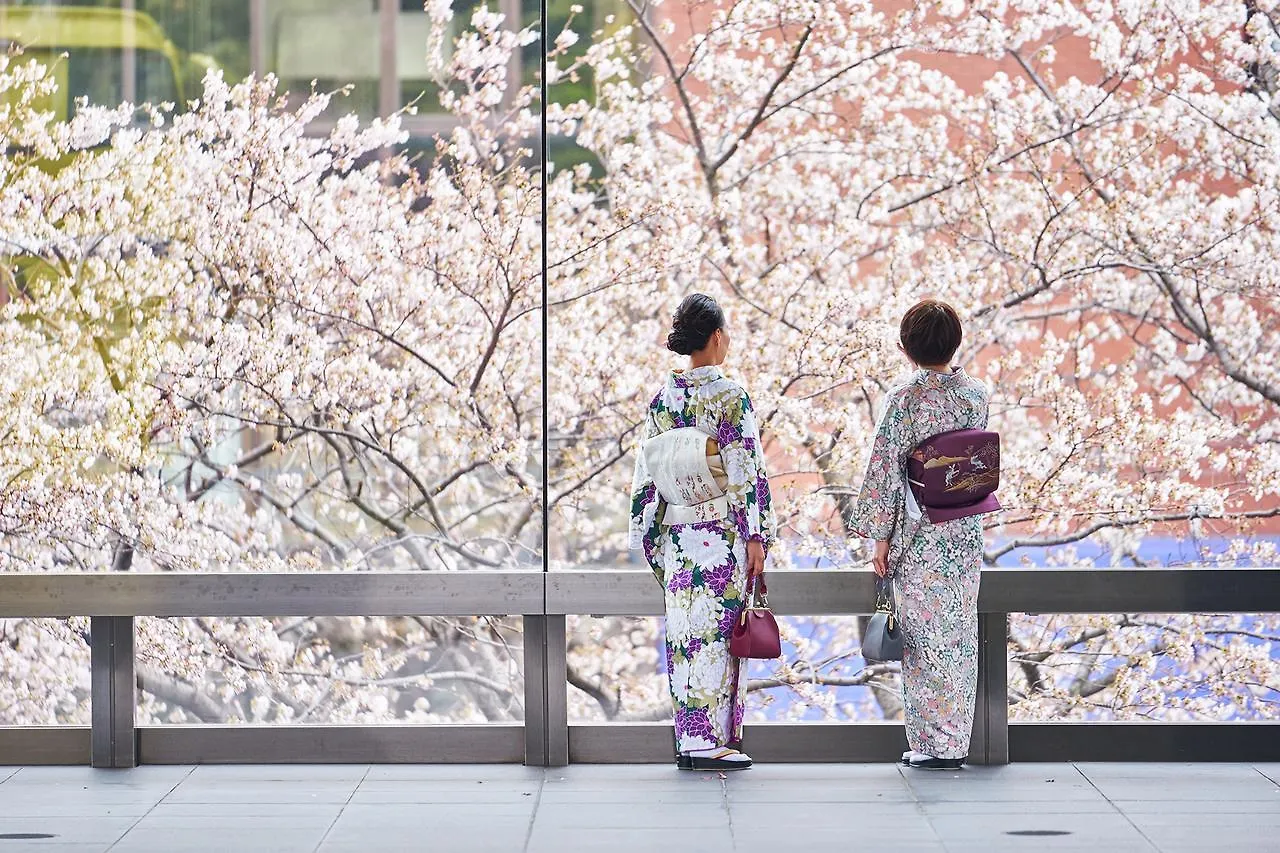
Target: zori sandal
{"points": [[716, 759]]}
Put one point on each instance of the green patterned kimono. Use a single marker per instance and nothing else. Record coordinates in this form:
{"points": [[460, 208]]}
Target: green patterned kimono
{"points": [[936, 567], [702, 566]]}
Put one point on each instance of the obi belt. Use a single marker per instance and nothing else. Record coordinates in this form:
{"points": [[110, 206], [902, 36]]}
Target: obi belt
{"points": [[688, 476]]}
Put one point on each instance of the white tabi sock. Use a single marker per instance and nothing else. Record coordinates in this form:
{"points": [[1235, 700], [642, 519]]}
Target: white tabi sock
{"points": [[729, 754]]}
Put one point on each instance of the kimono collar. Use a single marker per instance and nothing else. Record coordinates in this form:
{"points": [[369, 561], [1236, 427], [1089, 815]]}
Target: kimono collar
{"points": [[934, 379], [696, 376]]}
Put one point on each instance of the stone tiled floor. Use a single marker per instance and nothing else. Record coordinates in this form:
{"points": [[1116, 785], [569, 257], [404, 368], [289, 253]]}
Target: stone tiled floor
{"points": [[780, 808]]}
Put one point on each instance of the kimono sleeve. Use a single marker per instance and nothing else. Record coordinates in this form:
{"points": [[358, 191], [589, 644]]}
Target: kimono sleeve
{"points": [[882, 496], [750, 500], [647, 508]]}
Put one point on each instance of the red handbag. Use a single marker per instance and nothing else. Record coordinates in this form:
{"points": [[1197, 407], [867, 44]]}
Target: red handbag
{"points": [[755, 634]]}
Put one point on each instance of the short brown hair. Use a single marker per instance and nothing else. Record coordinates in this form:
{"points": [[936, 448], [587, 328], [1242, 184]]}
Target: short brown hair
{"points": [[931, 332]]}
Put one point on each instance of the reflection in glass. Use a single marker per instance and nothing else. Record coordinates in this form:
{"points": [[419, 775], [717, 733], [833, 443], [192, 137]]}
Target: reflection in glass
{"points": [[335, 43], [147, 51]]}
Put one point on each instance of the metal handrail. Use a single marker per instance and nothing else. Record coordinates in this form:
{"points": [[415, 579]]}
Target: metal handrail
{"points": [[604, 591], [544, 600]]}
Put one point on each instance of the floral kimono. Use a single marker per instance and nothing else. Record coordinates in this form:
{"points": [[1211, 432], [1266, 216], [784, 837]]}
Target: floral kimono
{"points": [[936, 567], [703, 566]]}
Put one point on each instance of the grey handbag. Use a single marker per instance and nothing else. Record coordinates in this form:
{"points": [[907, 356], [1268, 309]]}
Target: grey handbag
{"points": [[882, 641]]}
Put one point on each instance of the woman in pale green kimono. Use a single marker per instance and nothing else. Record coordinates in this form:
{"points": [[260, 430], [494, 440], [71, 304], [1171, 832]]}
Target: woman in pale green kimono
{"points": [[701, 512], [936, 567]]}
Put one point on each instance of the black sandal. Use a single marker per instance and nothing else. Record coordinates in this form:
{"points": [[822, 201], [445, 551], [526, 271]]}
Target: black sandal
{"points": [[716, 762], [936, 763]]}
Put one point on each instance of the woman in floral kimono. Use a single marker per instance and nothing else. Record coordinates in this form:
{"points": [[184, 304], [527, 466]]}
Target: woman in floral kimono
{"points": [[700, 509], [936, 567]]}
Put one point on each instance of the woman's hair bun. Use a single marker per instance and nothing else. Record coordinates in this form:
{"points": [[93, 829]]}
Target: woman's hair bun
{"points": [[695, 321]]}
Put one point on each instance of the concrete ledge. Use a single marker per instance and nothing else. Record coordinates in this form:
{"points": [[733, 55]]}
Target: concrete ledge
{"points": [[392, 744], [1140, 741], [44, 745]]}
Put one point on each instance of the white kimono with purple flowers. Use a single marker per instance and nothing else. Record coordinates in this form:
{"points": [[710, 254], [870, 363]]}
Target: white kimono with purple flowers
{"points": [[702, 566]]}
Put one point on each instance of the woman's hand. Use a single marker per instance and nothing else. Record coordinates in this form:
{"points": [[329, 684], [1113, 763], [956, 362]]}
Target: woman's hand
{"points": [[880, 560], [755, 558]]}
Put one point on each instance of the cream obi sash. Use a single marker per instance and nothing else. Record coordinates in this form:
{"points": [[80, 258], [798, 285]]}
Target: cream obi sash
{"points": [[690, 481]]}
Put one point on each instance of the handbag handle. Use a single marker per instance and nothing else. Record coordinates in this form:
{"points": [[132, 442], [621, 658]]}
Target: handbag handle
{"points": [[756, 586], [885, 602]]}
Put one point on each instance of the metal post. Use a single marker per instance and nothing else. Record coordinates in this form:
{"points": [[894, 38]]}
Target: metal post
{"points": [[535, 690], [546, 694], [113, 740], [557, 692], [990, 744]]}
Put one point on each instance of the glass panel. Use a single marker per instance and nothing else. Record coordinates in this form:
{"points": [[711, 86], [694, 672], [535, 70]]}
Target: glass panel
{"points": [[617, 673], [822, 676], [393, 421], [617, 669], [330, 670], [45, 667], [1156, 667], [336, 43]]}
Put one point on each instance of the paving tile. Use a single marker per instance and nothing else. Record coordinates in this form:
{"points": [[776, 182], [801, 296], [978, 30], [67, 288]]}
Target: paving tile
{"points": [[1214, 836], [630, 815], [448, 843], [987, 785], [77, 803], [685, 782], [404, 825], [868, 831], [1271, 771], [446, 792], [711, 795], [1004, 806], [149, 777], [834, 792], [1097, 830], [300, 812], [1257, 788], [53, 847], [1163, 771], [488, 773], [701, 840], [1047, 844], [1197, 820], [820, 815], [851, 838], [70, 830], [1209, 809], [254, 839], [245, 791], [280, 772], [1235, 846]]}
